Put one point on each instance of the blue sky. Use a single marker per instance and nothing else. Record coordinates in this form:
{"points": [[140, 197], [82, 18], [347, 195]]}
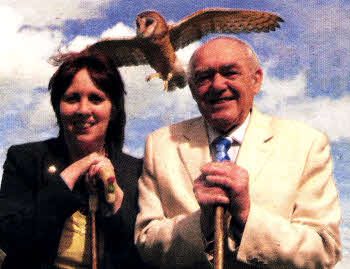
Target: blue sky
{"points": [[305, 63]]}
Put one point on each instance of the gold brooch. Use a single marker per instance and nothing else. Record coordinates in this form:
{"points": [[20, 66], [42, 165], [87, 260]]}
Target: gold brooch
{"points": [[52, 169]]}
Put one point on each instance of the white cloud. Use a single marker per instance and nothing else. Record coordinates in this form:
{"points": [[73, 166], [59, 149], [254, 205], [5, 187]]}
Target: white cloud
{"points": [[148, 99], [81, 42], [55, 12], [24, 58], [288, 99], [286, 88], [78, 43], [119, 30], [136, 152], [41, 115]]}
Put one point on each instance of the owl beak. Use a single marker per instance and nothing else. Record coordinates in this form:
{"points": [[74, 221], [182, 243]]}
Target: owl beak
{"points": [[141, 28], [145, 27]]}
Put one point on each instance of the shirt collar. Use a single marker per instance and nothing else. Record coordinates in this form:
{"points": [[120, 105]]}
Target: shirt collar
{"points": [[236, 134]]}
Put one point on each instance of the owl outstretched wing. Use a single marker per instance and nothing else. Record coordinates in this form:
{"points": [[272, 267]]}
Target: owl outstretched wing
{"points": [[124, 51], [221, 20]]}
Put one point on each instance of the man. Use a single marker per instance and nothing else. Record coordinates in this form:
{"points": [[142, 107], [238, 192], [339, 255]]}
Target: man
{"points": [[281, 201]]}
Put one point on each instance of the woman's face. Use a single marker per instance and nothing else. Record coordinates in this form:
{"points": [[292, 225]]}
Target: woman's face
{"points": [[85, 112]]}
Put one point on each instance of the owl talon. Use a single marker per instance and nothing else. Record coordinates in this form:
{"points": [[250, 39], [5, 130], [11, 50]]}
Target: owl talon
{"points": [[166, 85], [156, 75]]}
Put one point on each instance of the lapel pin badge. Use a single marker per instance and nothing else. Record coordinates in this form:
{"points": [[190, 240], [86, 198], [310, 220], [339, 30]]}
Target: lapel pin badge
{"points": [[52, 169]]}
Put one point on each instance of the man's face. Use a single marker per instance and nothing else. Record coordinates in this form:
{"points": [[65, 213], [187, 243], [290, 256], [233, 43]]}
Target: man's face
{"points": [[224, 80]]}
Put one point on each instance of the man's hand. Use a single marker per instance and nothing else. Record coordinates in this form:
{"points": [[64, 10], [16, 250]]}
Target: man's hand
{"points": [[223, 183]]}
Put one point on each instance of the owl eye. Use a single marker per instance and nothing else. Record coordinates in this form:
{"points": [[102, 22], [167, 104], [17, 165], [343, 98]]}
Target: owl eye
{"points": [[149, 22], [137, 24]]}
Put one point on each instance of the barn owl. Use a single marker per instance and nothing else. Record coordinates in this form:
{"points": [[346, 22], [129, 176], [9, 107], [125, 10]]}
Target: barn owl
{"points": [[156, 42]]}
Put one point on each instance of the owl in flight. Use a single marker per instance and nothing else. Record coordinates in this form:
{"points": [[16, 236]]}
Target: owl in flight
{"points": [[156, 42]]}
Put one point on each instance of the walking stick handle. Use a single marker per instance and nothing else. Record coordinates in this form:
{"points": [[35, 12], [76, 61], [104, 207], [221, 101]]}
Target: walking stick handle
{"points": [[109, 182]]}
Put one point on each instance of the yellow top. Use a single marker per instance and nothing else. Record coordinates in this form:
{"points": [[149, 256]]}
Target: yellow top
{"points": [[74, 250]]}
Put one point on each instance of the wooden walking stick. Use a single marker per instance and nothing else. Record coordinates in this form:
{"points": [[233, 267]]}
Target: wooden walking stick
{"points": [[219, 237], [222, 145], [110, 186], [93, 204]]}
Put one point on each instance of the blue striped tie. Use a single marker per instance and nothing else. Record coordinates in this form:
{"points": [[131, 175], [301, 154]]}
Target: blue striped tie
{"points": [[222, 145]]}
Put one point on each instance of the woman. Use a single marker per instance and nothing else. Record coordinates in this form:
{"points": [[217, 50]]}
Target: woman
{"points": [[44, 192]]}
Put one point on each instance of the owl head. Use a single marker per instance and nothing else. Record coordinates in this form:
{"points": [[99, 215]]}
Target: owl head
{"points": [[150, 24]]}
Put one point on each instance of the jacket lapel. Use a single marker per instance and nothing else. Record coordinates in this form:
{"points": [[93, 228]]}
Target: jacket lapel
{"points": [[195, 152], [55, 160], [253, 153], [256, 148]]}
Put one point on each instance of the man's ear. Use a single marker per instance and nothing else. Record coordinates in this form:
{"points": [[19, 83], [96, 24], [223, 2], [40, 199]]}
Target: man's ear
{"points": [[257, 80]]}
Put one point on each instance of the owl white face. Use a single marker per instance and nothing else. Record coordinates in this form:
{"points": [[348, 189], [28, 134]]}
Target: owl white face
{"points": [[146, 26]]}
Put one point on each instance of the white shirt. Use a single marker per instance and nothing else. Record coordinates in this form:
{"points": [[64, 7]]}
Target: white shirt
{"points": [[236, 135]]}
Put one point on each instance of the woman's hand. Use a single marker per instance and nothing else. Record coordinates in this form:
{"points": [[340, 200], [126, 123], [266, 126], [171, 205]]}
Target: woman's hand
{"points": [[104, 171], [95, 166], [73, 172]]}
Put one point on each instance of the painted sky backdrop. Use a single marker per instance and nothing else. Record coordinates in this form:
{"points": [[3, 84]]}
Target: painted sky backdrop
{"points": [[305, 63]]}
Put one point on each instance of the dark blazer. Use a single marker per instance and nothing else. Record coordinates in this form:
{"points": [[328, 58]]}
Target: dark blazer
{"points": [[34, 204]]}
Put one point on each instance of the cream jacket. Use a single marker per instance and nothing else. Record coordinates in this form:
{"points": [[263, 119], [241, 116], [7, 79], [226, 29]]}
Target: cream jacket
{"points": [[295, 212]]}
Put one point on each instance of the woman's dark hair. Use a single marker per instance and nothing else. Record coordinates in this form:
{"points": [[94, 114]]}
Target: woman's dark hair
{"points": [[104, 75]]}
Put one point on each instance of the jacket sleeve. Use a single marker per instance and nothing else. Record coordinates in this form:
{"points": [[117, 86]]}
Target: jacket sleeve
{"points": [[165, 241], [31, 215], [310, 238]]}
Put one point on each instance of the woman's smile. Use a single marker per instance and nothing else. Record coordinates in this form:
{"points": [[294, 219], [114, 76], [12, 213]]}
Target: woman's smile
{"points": [[85, 111], [82, 126]]}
